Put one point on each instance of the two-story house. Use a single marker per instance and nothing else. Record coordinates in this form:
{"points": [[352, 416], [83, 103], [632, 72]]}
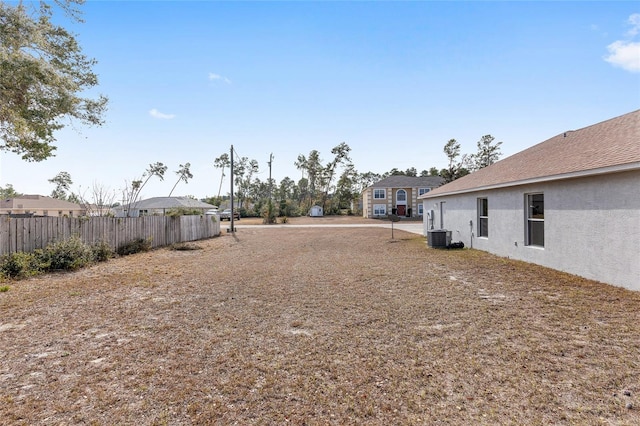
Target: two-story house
{"points": [[397, 195]]}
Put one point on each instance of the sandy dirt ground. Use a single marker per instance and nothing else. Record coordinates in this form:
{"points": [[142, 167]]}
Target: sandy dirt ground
{"points": [[318, 326]]}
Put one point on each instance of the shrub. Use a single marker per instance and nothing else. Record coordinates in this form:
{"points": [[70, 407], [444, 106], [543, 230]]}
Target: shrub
{"points": [[70, 254], [102, 251], [136, 246], [284, 219], [269, 213], [18, 265]]}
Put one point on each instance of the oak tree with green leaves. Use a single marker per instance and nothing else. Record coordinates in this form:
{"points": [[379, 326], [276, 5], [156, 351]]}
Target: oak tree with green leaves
{"points": [[43, 78]]}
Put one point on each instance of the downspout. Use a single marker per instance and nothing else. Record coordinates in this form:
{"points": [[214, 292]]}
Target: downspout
{"points": [[471, 230]]}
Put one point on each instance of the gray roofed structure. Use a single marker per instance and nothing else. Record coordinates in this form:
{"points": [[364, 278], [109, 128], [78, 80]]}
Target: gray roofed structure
{"points": [[402, 181], [171, 203]]}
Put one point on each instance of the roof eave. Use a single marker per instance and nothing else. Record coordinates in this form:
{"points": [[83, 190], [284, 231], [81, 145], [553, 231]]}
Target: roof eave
{"points": [[572, 175]]}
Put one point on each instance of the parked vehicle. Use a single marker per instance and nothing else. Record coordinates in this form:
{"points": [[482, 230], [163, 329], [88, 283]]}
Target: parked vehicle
{"points": [[226, 215]]}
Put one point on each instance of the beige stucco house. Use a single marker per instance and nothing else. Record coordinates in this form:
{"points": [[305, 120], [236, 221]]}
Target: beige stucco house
{"points": [[39, 205], [397, 195]]}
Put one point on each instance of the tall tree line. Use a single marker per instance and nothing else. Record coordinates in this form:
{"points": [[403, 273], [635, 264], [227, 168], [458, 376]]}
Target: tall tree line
{"points": [[334, 184]]}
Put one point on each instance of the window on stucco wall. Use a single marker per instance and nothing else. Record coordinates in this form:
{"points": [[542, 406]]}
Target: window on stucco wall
{"points": [[483, 217], [379, 194], [535, 220]]}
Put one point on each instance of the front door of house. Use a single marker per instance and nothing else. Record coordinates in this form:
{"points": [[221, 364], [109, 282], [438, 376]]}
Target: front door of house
{"points": [[401, 202]]}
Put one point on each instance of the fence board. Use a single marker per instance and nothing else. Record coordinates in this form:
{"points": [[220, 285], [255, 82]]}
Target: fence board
{"points": [[29, 234]]}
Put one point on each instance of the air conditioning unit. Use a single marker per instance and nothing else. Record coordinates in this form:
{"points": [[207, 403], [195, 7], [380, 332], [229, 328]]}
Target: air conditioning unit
{"points": [[438, 238]]}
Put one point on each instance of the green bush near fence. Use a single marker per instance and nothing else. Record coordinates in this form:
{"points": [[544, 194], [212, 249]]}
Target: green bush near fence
{"points": [[19, 265], [102, 251], [136, 246], [67, 255]]}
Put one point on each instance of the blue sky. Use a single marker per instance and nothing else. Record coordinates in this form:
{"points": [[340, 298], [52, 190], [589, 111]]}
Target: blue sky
{"points": [[394, 80]]}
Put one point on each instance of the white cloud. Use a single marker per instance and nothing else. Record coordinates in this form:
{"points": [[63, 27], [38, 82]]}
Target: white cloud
{"points": [[157, 114], [634, 21], [215, 77], [625, 54]]}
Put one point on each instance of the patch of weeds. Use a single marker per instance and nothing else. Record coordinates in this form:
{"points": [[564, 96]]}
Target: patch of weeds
{"points": [[4, 289], [185, 247], [284, 219], [136, 246]]}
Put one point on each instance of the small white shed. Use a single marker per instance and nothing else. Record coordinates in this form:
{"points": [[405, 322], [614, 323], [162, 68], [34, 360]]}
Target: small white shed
{"points": [[316, 211]]}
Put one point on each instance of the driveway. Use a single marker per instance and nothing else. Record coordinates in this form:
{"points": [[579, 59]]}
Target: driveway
{"points": [[414, 227]]}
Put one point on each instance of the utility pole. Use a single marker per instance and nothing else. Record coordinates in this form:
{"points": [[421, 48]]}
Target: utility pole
{"points": [[270, 162], [232, 208]]}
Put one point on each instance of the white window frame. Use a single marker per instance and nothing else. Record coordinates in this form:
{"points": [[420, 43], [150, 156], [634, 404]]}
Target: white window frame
{"points": [[534, 219], [379, 209], [404, 200], [422, 191], [420, 209], [376, 194], [483, 218]]}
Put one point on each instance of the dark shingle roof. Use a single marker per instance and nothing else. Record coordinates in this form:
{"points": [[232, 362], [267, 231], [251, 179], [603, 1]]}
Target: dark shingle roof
{"points": [[611, 144], [401, 181]]}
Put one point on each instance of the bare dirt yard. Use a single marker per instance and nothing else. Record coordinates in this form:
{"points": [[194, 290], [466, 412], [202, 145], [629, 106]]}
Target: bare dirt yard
{"points": [[318, 326]]}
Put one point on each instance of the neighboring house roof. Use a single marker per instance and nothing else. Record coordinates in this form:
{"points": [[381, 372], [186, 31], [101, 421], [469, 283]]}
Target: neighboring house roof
{"points": [[609, 146], [40, 202], [402, 181], [171, 203]]}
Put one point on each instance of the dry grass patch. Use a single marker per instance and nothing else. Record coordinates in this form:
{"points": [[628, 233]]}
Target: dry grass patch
{"points": [[318, 326]]}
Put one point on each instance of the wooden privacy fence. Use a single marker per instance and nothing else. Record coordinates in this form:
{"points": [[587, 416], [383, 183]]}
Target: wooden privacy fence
{"points": [[29, 234]]}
